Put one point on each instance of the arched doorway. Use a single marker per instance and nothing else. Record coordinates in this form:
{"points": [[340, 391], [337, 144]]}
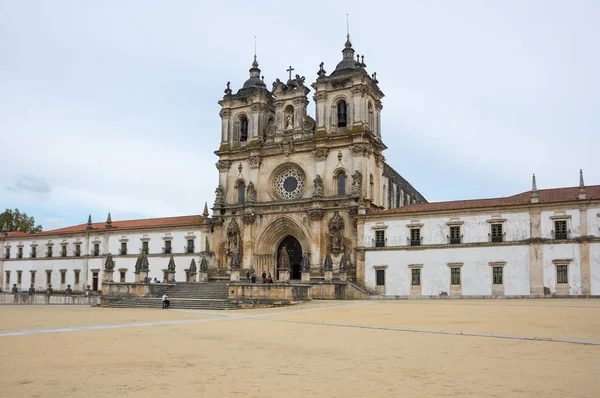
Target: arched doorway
{"points": [[295, 252]]}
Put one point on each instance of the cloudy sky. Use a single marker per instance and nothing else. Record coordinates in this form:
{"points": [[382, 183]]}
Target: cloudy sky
{"points": [[112, 105]]}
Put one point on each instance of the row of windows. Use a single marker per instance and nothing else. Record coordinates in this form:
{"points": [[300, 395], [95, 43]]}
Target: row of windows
{"points": [[496, 234], [95, 251], [562, 275], [63, 277]]}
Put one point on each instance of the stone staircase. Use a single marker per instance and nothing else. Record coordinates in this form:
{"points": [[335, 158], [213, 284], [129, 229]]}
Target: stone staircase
{"points": [[189, 296]]}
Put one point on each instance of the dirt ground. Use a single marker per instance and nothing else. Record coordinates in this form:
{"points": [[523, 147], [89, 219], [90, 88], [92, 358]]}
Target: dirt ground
{"points": [[291, 352]]}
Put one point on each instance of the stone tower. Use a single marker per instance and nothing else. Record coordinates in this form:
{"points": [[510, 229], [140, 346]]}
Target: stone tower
{"points": [[288, 180]]}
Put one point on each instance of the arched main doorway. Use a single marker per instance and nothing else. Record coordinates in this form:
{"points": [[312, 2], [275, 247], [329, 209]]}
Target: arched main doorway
{"points": [[294, 250]]}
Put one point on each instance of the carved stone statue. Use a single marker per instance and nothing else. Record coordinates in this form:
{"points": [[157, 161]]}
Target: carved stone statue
{"points": [[233, 235], [171, 265], [250, 193], [109, 265], [68, 290], [31, 290], [357, 183], [318, 192], [289, 122], [336, 231], [14, 289], [219, 196]]}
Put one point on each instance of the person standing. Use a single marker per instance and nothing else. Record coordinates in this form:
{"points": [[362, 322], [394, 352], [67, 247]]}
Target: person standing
{"points": [[264, 277], [248, 276]]}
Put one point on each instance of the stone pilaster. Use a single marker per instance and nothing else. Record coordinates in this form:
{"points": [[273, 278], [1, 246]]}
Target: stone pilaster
{"points": [[316, 216], [235, 275], [536, 254], [584, 252]]}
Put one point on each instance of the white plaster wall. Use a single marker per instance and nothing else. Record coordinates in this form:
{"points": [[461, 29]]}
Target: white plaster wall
{"points": [[547, 224], [559, 252], [40, 266], [475, 229], [593, 222], [594, 268], [435, 274]]}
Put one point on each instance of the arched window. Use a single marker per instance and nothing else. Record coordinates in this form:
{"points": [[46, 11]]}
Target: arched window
{"points": [[341, 183], [241, 188], [371, 117], [244, 128], [342, 114]]}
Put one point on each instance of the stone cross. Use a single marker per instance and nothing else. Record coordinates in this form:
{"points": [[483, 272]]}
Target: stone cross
{"points": [[290, 71]]}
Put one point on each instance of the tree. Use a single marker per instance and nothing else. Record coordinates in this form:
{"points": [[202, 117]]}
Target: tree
{"points": [[17, 221]]}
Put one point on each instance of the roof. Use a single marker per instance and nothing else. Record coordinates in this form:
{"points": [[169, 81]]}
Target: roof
{"points": [[147, 223], [554, 195]]}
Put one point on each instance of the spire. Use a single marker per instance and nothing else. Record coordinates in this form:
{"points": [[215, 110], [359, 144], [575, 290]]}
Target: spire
{"points": [[534, 191], [305, 263], [328, 265], [205, 212], [582, 193], [171, 265], [109, 265], [254, 80], [89, 223], [343, 263], [203, 264], [5, 230], [108, 222], [193, 266]]}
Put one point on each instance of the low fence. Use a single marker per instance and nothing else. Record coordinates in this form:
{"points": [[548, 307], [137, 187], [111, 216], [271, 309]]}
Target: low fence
{"points": [[61, 299]]}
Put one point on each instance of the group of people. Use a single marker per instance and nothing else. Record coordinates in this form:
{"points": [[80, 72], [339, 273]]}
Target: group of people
{"points": [[157, 281], [251, 278]]}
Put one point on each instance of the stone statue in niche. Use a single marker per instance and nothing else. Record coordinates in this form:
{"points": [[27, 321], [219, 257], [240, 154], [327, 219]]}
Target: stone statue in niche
{"points": [[219, 196], [233, 236], [289, 122], [250, 193], [357, 183], [336, 232], [318, 192]]}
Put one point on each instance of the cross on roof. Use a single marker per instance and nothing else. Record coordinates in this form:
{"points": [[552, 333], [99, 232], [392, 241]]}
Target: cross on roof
{"points": [[290, 70]]}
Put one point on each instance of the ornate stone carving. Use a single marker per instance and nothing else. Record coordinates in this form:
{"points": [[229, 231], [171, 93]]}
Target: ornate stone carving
{"points": [[357, 183], [250, 193], [361, 150], [249, 219], [203, 264], [171, 265], [305, 263], [233, 236], [321, 154], [316, 214], [321, 96], [219, 196], [68, 290], [344, 262], [225, 113], [328, 264], [289, 122], [357, 90], [318, 191], [193, 268], [336, 232], [235, 259], [289, 183], [279, 104], [216, 221], [109, 265], [286, 147], [14, 289], [223, 165], [254, 162], [142, 264], [284, 259], [308, 124]]}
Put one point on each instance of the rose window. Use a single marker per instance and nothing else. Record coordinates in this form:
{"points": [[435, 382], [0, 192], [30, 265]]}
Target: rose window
{"points": [[289, 183]]}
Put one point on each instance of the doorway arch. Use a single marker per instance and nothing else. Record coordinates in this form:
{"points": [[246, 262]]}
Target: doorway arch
{"points": [[294, 250]]}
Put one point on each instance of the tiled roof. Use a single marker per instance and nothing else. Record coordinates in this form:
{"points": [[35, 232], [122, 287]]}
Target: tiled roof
{"points": [[554, 195], [147, 223]]}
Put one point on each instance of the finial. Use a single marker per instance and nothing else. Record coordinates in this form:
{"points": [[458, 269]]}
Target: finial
{"points": [[240, 168], [582, 193], [534, 191], [205, 212], [262, 78], [108, 221], [347, 26], [89, 223], [255, 63], [362, 61], [254, 47], [374, 77], [228, 89], [358, 58], [321, 71]]}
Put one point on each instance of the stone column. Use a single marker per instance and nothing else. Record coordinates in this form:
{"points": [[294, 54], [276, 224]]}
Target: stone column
{"points": [[305, 267], [328, 268], [249, 218], [316, 215], [235, 266], [536, 254]]}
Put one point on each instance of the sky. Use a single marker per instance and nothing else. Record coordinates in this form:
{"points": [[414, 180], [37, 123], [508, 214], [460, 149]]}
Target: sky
{"points": [[111, 106]]}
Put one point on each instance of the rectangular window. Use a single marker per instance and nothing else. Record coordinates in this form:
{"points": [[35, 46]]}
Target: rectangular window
{"points": [[7, 255], [416, 277], [562, 275], [190, 245], [33, 251], [379, 238], [7, 278], [123, 248], [496, 232], [20, 252], [454, 235], [19, 277], [380, 277], [167, 247], [122, 273], [415, 236], [96, 251], [48, 277], [63, 277], [145, 247], [560, 229], [33, 277], [497, 275], [49, 252], [455, 276], [63, 251], [77, 250], [76, 276]]}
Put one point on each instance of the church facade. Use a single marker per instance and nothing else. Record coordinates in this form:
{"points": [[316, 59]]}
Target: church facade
{"points": [[314, 199]]}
